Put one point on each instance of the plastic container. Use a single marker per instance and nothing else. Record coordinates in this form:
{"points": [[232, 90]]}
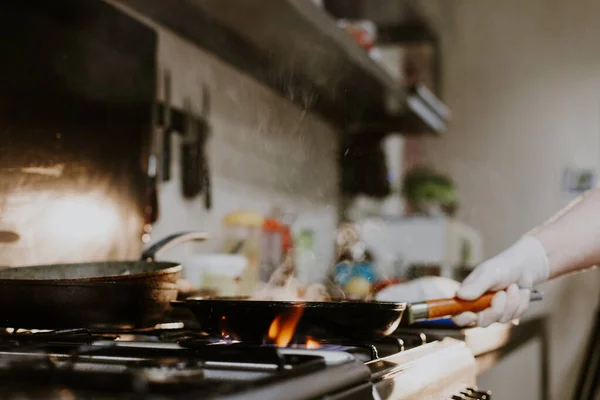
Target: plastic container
{"points": [[243, 237], [277, 244]]}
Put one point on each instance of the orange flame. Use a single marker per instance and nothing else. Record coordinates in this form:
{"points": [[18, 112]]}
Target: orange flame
{"points": [[283, 327], [312, 343], [223, 327], [226, 333]]}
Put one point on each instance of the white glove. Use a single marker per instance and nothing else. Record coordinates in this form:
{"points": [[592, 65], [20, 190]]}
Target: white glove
{"points": [[512, 273]]}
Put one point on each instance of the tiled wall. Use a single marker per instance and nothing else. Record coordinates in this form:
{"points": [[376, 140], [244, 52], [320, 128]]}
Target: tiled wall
{"points": [[264, 151]]}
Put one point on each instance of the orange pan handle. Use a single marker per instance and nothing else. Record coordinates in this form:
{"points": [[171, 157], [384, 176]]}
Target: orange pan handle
{"points": [[455, 306]]}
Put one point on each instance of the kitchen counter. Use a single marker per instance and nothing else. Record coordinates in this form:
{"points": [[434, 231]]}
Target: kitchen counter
{"points": [[509, 339], [492, 344], [517, 336]]}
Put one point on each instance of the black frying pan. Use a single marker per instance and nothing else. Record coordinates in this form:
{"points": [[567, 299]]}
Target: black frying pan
{"points": [[253, 320], [91, 295]]}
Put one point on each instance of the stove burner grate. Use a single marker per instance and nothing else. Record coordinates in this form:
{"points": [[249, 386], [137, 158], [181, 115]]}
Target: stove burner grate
{"points": [[174, 359]]}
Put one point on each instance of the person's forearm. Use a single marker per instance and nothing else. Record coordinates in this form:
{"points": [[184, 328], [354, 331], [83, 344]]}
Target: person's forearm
{"points": [[572, 237], [568, 242]]}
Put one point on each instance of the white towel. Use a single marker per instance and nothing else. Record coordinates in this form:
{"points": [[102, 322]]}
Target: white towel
{"points": [[422, 289]]}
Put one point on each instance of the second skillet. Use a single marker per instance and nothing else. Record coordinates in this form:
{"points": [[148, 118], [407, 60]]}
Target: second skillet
{"points": [[92, 295], [144, 270]]}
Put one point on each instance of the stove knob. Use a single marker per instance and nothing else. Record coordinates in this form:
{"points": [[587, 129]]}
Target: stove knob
{"points": [[473, 395], [480, 394], [458, 397]]}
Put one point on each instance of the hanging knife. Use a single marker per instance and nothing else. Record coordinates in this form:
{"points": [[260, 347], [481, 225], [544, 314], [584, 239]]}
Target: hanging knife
{"points": [[168, 129], [204, 132]]}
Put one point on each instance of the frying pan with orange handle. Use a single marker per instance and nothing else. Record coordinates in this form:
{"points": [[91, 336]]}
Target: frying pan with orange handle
{"points": [[259, 321], [433, 309]]}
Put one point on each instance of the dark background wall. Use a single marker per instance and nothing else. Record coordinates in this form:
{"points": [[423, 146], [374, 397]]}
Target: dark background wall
{"points": [[77, 85]]}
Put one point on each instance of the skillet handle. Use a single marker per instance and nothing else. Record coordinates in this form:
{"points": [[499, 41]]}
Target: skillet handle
{"points": [[171, 241], [455, 306]]}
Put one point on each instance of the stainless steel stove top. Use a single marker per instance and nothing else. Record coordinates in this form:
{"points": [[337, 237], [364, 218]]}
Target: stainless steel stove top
{"points": [[172, 362]]}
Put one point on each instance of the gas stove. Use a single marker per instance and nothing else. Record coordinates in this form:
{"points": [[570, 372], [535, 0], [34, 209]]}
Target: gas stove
{"points": [[172, 361]]}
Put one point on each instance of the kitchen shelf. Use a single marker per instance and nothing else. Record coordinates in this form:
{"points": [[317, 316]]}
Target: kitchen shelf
{"points": [[297, 49]]}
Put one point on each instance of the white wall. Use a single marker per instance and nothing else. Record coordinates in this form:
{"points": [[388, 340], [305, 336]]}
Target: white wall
{"points": [[264, 151], [522, 80]]}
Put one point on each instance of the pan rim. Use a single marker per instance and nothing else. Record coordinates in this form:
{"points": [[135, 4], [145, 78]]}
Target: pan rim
{"points": [[170, 268], [392, 306], [88, 284]]}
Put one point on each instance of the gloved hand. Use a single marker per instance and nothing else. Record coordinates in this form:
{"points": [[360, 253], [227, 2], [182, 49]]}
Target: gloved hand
{"points": [[512, 273]]}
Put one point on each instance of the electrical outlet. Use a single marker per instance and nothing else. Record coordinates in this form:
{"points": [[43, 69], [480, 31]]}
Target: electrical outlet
{"points": [[578, 180]]}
